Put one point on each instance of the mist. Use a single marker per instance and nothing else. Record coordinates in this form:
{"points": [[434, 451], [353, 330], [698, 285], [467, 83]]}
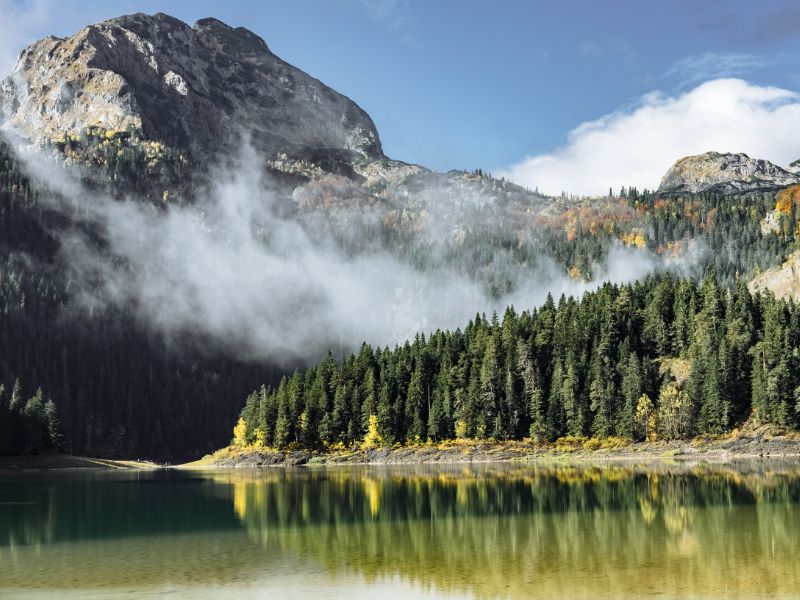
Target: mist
{"points": [[266, 287]]}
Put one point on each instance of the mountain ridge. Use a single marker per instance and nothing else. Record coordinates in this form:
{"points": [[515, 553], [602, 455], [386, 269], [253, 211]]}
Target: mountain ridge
{"points": [[725, 172], [189, 87]]}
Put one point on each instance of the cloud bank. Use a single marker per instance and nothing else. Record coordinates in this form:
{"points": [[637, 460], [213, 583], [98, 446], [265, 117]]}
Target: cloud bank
{"points": [[259, 285], [636, 146]]}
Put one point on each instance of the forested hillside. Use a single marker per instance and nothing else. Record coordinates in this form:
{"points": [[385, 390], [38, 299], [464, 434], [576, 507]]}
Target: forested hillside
{"points": [[120, 389], [28, 426], [123, 389], [693, 233], [662, 358]]}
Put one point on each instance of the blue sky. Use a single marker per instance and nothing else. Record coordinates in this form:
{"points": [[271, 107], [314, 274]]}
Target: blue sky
{"points": [[462, 84]]}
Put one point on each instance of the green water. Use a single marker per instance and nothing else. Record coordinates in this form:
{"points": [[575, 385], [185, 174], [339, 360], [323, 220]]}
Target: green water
{"points": [[667, 531]]}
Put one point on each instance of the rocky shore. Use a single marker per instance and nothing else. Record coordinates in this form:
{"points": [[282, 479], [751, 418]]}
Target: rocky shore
{"points": [[758, 444]]}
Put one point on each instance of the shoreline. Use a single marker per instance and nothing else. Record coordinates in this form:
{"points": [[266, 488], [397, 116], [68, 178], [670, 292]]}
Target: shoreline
{"points": [[757, 445], [735, 447], [67, 462]]}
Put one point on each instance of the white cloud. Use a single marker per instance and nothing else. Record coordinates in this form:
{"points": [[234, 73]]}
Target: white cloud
{"points": [[636, 146], [228, 267]]}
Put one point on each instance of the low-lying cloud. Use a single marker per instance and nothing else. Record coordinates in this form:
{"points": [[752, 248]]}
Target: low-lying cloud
{"points": [[267, 287], [636, 146]]}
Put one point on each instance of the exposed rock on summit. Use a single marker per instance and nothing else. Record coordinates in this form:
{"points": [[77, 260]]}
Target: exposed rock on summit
{"points": [[193, 88], [169, 97], [725, 173]]}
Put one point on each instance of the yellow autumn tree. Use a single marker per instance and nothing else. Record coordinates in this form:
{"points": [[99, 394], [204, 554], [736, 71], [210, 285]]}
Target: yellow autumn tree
{"points": [[786, 198], [673, 411], [261, 439], [373, 439], [646, 418], [240, 434], [635, 237]]}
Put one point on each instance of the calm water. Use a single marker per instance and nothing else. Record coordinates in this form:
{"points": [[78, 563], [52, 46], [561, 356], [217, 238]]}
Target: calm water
{"points": [[450, 532]]}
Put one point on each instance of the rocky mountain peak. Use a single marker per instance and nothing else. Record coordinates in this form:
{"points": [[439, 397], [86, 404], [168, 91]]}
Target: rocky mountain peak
{"points": [[195, 89], [724, 172]]}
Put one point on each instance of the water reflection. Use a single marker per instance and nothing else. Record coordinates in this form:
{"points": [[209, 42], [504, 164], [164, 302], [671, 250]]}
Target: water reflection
{"points": [[562, 531], [542, 531], [41, 508]]}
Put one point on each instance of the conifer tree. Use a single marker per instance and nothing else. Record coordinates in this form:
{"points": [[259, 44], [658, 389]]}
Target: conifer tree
{"points": [[414, 407]]}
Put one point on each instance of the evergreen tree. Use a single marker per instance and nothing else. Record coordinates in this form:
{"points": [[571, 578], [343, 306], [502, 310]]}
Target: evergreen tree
{"points": [[631, 389], [37, 436], [439, 427], [6, 447], [489, 420], [415, 407], [55, 436]]}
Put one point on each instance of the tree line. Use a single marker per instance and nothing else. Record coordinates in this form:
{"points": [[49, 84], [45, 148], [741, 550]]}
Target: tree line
{"points": [[662, 358]]}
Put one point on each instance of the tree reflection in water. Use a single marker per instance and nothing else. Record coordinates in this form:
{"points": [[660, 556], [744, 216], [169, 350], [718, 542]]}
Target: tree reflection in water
{"points": [[503, 531], [539, 531]]}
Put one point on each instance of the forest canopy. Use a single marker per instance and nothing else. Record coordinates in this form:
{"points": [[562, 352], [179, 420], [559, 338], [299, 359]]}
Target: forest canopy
{"points": [[667, 358]]}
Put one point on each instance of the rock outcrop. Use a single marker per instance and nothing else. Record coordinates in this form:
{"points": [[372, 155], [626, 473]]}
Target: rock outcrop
{"points": [[725, 173], [782, 281], [195, 89]]}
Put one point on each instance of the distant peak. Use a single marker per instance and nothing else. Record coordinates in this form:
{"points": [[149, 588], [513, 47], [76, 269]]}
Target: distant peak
{"points": [[725, 172], [712, 155]]}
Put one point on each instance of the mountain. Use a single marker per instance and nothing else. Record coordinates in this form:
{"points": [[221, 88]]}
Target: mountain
{"points": [[143, 107], [188, 87], [175, 94], [147, 312], [725, 173]]}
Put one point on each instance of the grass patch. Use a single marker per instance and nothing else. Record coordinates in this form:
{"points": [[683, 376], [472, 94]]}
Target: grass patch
{"points": [[672, 453], [574, 443]]}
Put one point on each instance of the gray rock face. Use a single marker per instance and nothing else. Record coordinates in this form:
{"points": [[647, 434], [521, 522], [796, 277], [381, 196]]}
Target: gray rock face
{"points": [[193, 88], [726, 173], [197, 89], [783, 281]]}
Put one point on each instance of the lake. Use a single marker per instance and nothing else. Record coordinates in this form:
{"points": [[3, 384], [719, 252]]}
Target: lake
{"points": [[459, 531]]}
